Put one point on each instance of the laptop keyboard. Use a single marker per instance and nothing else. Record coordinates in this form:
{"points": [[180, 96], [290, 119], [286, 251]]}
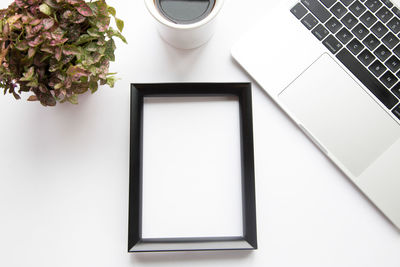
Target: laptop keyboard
{"points": [[364, 35]]}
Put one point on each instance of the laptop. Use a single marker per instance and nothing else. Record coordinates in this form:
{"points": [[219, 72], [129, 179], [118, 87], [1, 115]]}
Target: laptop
{"points": [[334, 67]]}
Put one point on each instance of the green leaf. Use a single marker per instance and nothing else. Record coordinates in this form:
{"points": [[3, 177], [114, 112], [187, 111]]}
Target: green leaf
{"points": [[33, 83], [93, 7], [111, 81], [93, 86], [93, 32], [80, 88], [58, 86], [73, 99], [84, 38], [112, 11], [111, 32], [45, 9], [92, 47], [14, 18], [110, 47], [76, 71], [120, 24]]}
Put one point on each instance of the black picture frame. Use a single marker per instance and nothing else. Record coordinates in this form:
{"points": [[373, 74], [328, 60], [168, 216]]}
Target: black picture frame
{"points": [[249, 239]]}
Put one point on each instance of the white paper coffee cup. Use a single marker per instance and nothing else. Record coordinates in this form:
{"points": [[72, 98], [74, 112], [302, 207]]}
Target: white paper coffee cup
{"points": [[185, 36]]}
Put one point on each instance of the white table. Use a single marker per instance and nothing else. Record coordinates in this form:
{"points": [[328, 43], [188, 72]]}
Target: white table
{"points": [[64, 170]]}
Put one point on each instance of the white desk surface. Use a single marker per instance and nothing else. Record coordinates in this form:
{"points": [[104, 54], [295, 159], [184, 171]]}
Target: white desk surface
{"points": [[64, 170]]}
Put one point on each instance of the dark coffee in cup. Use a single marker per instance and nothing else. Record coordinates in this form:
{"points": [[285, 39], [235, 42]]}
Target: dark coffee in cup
{"points": [[185, 11]]}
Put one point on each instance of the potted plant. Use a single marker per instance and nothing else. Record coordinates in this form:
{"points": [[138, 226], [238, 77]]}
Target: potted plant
{"points": [[56, 49]]}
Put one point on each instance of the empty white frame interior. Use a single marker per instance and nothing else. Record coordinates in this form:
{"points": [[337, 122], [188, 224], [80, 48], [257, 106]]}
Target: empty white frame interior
{"points": [[191, 167]]}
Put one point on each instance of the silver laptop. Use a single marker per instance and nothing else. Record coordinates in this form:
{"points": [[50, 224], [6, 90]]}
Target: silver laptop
{"points": [[334, 67]]}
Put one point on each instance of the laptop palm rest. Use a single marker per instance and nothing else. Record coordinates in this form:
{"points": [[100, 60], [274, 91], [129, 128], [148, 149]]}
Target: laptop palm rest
{"points": [[339, 115]]}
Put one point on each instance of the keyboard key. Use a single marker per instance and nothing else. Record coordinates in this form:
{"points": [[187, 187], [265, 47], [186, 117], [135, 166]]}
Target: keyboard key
{"points": [[357, 8], [371, 42], [396, 111], [388, 3], [349, 21], [394, 25], [360, 31], [328, 3], [382, 53], [377, 68], [379, 29], [396, 90], [368, 19], [355, 47], [317, 9], [396, 50], [366, 78], [373, 5], [388, 79], [320, 32], [390, 40], [396, 11], [393, 63], [332, 44], [299, 11], [333, 25], [346, 2], [384, 14], [338, 10], [366, 57], [344, 36], [309, 21]]}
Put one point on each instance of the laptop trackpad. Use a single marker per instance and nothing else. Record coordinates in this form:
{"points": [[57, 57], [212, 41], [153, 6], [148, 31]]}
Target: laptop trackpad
{"points": [[338, 113]]}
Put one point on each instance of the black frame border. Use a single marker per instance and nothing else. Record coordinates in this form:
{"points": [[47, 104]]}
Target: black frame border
{"points": [[249, 239]]}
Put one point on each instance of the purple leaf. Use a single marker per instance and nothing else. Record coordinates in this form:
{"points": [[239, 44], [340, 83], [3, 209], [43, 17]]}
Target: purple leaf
{"points": [[16, 96], [79, 19], [74, 2], [35, 22], [70, 50], [58, 53], [77, 72], [47, 23], [84, 10], [38, 40], [43, 88], [33, 98], [20, 3], [22, 45], [31, 52], [58, 42], [36, 29], [6, 29]]}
